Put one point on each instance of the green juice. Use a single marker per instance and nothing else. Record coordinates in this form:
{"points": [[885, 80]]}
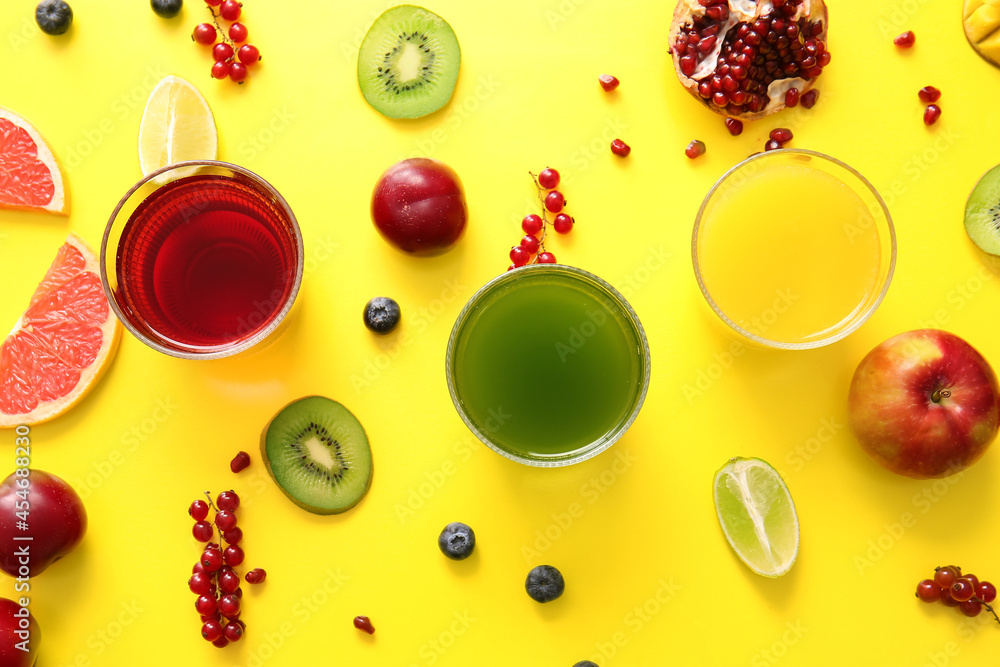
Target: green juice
{"points": [[548, 363]]}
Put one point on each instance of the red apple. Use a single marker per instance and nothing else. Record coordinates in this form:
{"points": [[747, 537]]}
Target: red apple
{"points": [[418, 206], [924, 404], [47, 510], [19, 635]]}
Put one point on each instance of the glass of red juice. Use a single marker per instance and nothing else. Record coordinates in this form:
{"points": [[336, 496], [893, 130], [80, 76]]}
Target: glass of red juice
{"points": [[202, 260]]}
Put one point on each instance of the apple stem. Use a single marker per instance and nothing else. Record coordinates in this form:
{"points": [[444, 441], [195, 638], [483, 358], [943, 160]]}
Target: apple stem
{"points": [[939, 394]]}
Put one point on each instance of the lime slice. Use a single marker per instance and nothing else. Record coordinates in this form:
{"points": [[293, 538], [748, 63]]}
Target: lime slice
{"points": [[177, 125], [757, 515]]}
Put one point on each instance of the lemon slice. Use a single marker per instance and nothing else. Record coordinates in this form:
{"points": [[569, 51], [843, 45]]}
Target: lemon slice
{"points": [[177, 125], [757, 515]]}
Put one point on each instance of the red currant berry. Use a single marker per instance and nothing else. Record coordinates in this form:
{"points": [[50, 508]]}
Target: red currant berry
{"points": [[240, 461], [946, 598], [962, 590], [222, 52], [221, 642], [530, 243], [198, 567], [230, 10], [200, 583], [970, 607], [927, 590], [238, 32], [546, 258], [229, 605], [931, 114], [211, 630], [202, 531], [735, 126], [204, 33], [255, 576], [229, 581], [519, 255], [211, 560], [225, 520], [532, 224], [206, 605], [620, 148], [220, 70], [973, 579], [608, 82], [929, 94], [511, 267], [946, 576], [233, 631], [554, 201], [364, 623], [562, 224], [548, 178], [198, 510], [238, 72], [233, 536], [228, 501], [986, 591], [249, 54], [233, 555], [906, 40], [214, 3], [695, 149]]}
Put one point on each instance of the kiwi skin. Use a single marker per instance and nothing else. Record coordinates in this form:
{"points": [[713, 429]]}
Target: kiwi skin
{"points": [[267, 465], [982, 212]]}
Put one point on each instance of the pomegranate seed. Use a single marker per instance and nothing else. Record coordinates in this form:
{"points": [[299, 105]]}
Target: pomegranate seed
{"points": [[791, 97], [906, 40], [695, 149], [771, 145], [364, 623], [781, 134], [688, 63], [720, 99], [239, 462], [929, 94], [718, 12], [931, 114], [706, 44], [808, 99], [824, 58], [608, 82], [734, 126], [620, 148]]}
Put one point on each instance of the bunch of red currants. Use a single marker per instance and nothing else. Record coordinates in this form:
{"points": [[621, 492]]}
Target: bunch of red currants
{"points": [[532, 250], [231, 60], [954, 589], [214, 577]]}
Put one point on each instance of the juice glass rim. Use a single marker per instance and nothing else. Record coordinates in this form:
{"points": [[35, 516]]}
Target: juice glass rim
{"points": [[861, 317], [213, 352], [619, 429]]}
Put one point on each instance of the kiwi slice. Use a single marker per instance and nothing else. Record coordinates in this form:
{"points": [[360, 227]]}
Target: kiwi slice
{"points": [[319, 455], [982, 212], [408, 62]]}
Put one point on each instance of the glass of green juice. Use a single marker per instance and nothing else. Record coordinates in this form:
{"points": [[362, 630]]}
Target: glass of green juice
{"points": [[548, 365]]}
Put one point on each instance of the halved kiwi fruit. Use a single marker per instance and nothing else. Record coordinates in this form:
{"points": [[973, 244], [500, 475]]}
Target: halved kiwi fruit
{"points": [[982, 212], [408, 62], [318, 453]]}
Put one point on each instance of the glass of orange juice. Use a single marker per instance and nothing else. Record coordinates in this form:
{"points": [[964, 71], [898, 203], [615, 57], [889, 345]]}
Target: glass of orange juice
{"points": [[793, 249]]}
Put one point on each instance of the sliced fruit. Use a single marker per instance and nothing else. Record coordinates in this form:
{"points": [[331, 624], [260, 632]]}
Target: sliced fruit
{"points": [[30, 177], [757, 515], [981, 20], [408, 62], [318, 454], [982, 212], [177, 125], [62, 344]]}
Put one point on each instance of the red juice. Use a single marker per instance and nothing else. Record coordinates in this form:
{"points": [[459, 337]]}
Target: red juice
{"points": [[206, 261]]}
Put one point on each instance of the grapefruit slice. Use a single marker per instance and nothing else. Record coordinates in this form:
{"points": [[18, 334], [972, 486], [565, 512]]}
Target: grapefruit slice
{"points": [[30, 178], [63, 342]]}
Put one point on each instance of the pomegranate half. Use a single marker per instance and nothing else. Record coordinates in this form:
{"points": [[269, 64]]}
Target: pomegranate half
{"points": [[747, 59]]}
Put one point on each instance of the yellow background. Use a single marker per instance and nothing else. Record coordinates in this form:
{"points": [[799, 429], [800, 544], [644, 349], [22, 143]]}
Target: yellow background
{"points": [[650, 578]]}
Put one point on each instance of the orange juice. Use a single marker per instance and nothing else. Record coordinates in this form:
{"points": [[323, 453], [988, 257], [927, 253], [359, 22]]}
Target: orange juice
{"points": [[790, 250]]}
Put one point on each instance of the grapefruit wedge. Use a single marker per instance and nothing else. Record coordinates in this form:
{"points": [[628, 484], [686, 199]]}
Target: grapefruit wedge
{"points": [[30, 178], [63, 342]]}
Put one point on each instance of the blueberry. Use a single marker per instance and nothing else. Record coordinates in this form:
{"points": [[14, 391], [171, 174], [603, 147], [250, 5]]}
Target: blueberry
{"points": [[167, 9], [544, 583], [381, 314], [53, 16], [457, 541]]}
